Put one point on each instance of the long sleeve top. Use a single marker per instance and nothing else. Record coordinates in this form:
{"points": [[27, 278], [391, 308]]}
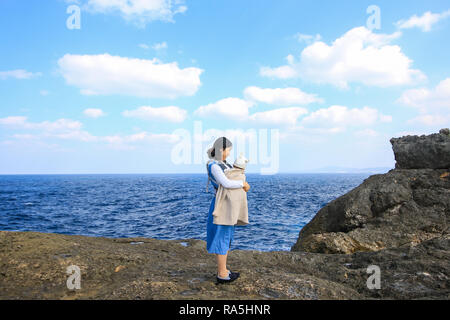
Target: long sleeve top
{"points": [[221, 179]]}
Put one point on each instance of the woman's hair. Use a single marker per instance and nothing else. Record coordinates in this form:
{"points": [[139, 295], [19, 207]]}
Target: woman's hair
{"points": [[217, 149]]}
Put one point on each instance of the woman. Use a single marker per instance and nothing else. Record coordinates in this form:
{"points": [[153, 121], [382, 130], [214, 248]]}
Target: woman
{"points": [[219, 237]]}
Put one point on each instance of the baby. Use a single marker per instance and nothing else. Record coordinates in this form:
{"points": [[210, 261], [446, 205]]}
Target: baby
{"points": [[231, 204]]}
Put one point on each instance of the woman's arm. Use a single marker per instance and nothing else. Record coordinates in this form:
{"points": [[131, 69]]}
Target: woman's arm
{"points": [[221, 178]]}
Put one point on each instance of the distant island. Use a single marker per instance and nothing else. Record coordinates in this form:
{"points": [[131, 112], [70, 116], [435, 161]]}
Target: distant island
{"points": [[333, 169]]}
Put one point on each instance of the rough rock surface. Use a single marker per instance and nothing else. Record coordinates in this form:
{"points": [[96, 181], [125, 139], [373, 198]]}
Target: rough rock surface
{"points": [[430, 152], [33, 266], [401, 207]]}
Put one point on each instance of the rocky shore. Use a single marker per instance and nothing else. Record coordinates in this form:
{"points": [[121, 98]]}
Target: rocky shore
{"points": [[397, 221], [406, 206]]}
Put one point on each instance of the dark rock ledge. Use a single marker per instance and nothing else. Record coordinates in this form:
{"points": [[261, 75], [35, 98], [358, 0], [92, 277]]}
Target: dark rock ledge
{"points": [[403, 207], [397, 221]]}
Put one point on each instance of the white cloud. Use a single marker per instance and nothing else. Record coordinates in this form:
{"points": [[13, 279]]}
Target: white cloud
{"points": [[341, 116], [431, 120], [18, 74], [320, 126], [146, 136], [309, 135], [78, 135], [105, 74], [93, 113], [384, 118], [61, 128], [428, 100], [231, 108], [432, 104], [159, 46], [170, 114], [238, 110], [326, 120], [66, 129], [144, 46], [283, 72], [60, 125], [359, 56], [280, 96], [24, 136], [307, 38], [132, 140], [140, 12], [210, 135], [13, 121], [424, 22], [282, 116]]}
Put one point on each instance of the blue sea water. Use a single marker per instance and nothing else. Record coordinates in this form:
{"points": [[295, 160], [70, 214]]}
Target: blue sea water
{"points": [[164, 206]]}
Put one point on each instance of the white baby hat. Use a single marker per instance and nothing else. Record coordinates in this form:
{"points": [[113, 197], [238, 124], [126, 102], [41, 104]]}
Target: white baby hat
{"points": [[241, 161]]}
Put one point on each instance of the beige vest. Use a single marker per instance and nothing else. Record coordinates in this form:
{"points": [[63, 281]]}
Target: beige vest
{"points": [[231, 204]]}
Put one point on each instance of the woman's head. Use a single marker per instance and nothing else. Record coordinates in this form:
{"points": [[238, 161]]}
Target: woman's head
{"points": [[220, 149]]}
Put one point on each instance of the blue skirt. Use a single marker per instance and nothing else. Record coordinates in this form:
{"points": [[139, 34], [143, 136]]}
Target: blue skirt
{"points": [[218, 237]]}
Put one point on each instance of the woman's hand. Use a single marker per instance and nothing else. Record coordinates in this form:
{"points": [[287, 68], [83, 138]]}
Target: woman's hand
{"points": [[246, 186]]}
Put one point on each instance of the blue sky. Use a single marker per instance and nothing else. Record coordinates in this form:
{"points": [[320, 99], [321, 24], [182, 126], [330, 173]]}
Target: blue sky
{"points": [[119, 94]]}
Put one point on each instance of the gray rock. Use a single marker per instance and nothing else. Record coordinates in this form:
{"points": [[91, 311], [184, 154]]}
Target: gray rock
{"points": [[386, 211], [423, 152], [391, 210]]}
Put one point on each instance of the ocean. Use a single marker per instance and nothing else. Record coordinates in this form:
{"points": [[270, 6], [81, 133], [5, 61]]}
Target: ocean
{"points": [[165, 206]]}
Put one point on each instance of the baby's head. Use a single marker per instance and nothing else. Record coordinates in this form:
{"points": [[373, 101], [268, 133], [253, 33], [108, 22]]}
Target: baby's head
{"points": [[240, 162]]}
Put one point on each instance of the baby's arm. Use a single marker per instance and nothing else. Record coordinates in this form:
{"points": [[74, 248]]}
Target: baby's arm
{"points": [[223, 180]]}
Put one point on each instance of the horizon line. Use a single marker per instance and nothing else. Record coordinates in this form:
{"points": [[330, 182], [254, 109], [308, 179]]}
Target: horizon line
{"points": [[187, 173]]}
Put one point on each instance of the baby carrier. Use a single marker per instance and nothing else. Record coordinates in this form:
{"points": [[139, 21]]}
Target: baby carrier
{"points": [[223, 165]]}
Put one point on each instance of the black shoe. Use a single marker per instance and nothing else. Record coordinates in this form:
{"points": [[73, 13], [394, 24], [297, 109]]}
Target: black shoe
{"points": [[231, 277]]}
